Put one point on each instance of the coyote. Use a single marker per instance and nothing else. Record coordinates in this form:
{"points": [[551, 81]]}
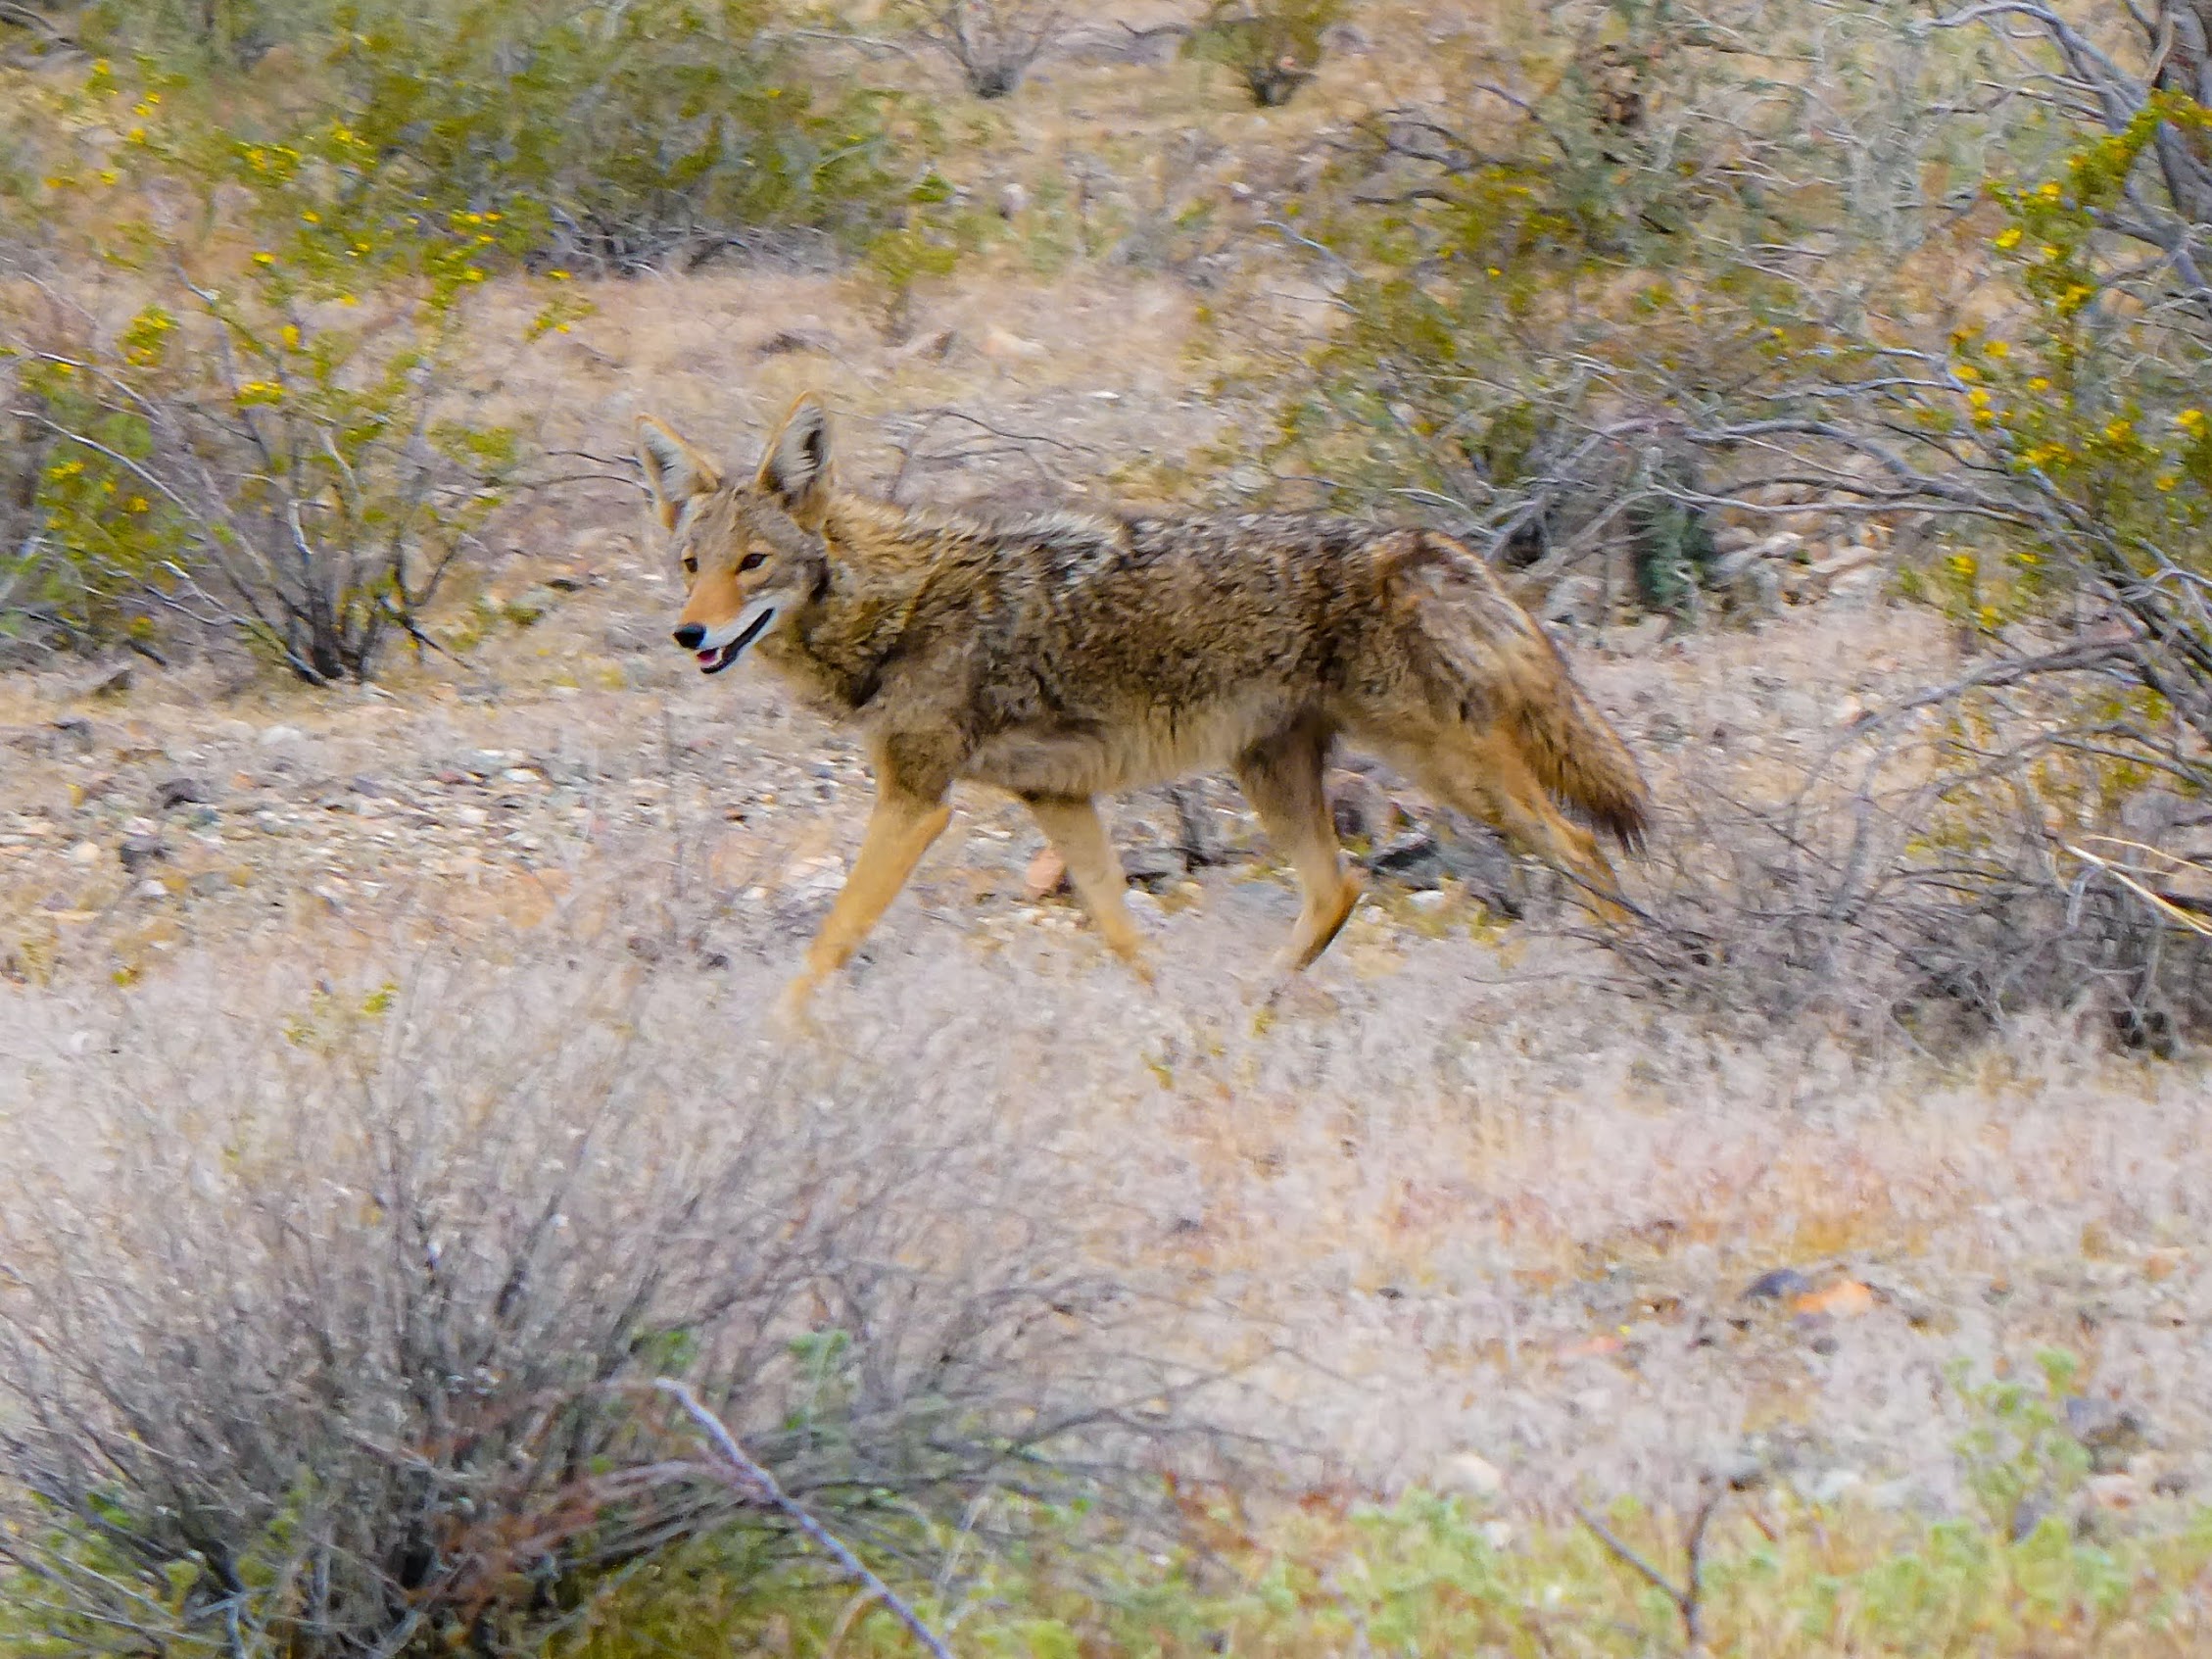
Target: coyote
{"points": [[1063, 655]]}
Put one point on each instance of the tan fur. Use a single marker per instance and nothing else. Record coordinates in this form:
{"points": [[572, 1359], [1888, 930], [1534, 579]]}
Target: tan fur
{"points": [[1065, 655]]}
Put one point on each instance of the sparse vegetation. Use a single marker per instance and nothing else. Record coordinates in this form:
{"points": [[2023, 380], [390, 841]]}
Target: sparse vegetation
{"points": [[346, 1338], [1275, 46], [1814, 1268], [993, 42]]}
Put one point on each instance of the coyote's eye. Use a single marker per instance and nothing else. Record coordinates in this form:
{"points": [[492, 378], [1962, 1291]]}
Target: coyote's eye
{"points": [[753, 561], [691, 565]]}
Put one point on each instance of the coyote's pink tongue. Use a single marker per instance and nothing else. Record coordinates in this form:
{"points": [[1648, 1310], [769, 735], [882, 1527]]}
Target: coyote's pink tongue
{"points": [[705, 657]]}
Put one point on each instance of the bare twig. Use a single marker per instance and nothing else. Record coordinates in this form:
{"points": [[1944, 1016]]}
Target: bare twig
{"points": [[751, 1478], [1689, 1596]]}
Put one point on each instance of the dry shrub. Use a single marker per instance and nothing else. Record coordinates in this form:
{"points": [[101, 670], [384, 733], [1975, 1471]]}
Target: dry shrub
{"points": [[1275, 46], [993, 42], [321, 1323], [1968, 854]]}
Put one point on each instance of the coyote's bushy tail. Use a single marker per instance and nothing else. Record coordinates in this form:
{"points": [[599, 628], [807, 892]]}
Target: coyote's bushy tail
{"points": [[1577, 756], [1489, 654]]}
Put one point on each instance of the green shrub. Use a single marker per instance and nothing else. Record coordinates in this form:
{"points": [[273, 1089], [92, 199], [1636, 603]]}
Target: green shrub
{"points": [[605, 136], [1275, 46]]}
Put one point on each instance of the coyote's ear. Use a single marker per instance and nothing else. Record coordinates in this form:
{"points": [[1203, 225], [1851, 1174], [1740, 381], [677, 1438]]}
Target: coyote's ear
{"points": [[797, 469], [674, 470]]}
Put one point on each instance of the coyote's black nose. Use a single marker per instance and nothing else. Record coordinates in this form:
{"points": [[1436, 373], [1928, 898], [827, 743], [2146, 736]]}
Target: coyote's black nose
{"points": [[690, 635]]}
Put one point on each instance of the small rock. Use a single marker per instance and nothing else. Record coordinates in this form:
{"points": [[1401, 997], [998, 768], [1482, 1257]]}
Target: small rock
{"points": [[73, 735], [789, 341], [112, 681], [1153, 868], [1048, 874], [633, 637], [1779, 1285], [1013, 201], [1429, 901], [1498, 1535], [1359, 808], [1642, 637], [1413, 860], [139, 851], [85, 853], [474, 817], [207, 882], [2115, 1492], [1573, 599], [1856, 590], [180, 791], [1846, 558], [150, 889], [1002, 344], [1847, 1299], [277, 737], [1475, 1477]]}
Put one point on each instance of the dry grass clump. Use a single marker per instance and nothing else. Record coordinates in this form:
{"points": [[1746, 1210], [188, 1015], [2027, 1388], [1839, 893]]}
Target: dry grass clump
{"points": [[325, 1307]]}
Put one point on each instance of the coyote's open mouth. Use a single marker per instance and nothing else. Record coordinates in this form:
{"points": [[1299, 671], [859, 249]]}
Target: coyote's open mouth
{"points": [[714, 661]]}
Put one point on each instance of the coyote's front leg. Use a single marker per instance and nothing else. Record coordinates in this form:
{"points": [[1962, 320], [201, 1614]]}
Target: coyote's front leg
{"points": [[905, 822]]}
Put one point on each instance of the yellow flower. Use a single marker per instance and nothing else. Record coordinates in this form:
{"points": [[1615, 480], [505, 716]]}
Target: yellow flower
{"points": [[1968, 372], [107, 175], [136, 504], [2119, 431], [1998, 349], [265, 258], [2166, 481], [136, 135], [1978, 397], [2191, 421], [2050, 192], [2008, 238], [310, 216], [292, 335], [558, 276], [2039, 384]]}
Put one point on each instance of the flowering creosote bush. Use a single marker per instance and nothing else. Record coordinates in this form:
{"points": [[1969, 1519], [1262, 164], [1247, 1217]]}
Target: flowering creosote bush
{"points": [[271, 447], [2098, 405]]}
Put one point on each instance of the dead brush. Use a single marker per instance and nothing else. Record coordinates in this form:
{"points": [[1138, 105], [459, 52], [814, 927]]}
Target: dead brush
{"points": [[327, 1330], [1967, 855]]}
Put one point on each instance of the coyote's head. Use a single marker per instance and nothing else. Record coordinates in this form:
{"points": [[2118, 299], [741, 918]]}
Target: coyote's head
{"points": [[752, 554]]}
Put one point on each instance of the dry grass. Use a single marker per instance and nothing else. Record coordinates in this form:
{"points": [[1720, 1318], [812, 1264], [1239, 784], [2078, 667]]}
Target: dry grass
{"points": [[1470, 1189]]}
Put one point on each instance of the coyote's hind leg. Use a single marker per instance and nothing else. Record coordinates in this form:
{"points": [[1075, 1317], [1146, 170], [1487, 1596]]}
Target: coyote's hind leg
{"points": [[1281, 776]]}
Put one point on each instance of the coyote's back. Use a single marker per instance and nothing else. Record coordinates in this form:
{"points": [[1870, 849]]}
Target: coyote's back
{"points": [[1060, 656]]}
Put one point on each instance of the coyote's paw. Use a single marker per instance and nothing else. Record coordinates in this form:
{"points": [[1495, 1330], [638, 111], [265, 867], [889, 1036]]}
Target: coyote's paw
{"points": [[795, 1009]]}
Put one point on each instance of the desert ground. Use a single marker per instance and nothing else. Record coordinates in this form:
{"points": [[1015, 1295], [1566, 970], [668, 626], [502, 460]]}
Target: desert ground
{"points": [[1470, 1208]]}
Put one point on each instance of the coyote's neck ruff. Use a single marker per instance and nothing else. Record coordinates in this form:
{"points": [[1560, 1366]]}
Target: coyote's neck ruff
{"points": [[1066, 655]]}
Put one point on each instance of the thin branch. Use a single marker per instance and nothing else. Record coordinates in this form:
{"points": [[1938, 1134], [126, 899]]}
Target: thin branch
{"points": [[747, 1476]]}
